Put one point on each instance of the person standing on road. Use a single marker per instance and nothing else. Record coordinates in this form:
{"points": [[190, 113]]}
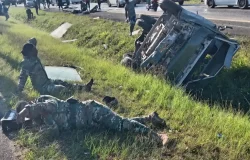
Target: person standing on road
{"points": [[88, 4], [36, 6], [60, 4], [130, 14], [1, 6], [99, 4], [48, 3], [6, 12]]}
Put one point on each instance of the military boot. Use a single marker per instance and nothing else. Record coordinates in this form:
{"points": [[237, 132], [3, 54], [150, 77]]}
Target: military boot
{"points": [[86, 87], [156, 120]]}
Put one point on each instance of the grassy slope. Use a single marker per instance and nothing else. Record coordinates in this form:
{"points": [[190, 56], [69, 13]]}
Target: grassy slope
{"points": [[194, 125], [94, 33]]}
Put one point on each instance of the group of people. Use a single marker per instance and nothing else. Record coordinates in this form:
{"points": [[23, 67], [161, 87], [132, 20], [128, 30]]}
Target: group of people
{"points": [[59, 115], [4, 10]]}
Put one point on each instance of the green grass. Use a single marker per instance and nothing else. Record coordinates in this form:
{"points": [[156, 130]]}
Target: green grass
{"points": [[194, 125]]}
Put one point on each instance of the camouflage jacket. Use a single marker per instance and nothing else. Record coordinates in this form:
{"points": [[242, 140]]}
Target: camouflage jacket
{"points": [[32, 67], [60, 114]]}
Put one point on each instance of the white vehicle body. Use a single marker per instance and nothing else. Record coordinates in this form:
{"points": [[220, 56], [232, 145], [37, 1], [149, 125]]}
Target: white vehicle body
{"points": [[118, 3], [75, 1], [229, 3], [30, 3]]}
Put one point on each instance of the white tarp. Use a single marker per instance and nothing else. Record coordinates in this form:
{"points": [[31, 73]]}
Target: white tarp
{"points": [[62, 73]]}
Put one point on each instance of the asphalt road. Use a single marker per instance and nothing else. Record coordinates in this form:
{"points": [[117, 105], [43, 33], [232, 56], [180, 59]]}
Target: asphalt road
{"points": [[237, 18]]}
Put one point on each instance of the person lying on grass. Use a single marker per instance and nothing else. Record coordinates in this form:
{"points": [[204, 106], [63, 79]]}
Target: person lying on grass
{"points": [[59, 115], [32, 67]]}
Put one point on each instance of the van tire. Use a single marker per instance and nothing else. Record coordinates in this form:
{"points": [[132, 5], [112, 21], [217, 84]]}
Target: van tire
{"points": [[147, 19], [171, 7], [145, 26], [210, 3], [243, 4]]}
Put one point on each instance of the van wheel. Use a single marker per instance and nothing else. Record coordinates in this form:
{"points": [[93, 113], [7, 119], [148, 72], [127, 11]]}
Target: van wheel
{"points": [[181, 3], [145, 26], [210, 3], [243, 4], [170, 7], [147, 19]]}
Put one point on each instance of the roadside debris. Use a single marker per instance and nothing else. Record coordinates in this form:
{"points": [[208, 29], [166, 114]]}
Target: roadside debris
{"points": [[182, 46], [96, 18], [105, 46], [68, 41], [9, 122], [61, 30], [136, 32]]}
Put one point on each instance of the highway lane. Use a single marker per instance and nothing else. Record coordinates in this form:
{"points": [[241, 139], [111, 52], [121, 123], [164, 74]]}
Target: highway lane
{"points": [[237, 18], [219, 13]]}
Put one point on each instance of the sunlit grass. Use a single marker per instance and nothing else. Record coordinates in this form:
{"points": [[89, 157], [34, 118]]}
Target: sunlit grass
{"points": [[195, 126]]}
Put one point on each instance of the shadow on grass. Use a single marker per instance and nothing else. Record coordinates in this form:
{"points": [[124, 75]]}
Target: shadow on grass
{"points": [[99, 143], [12, 62], [230, 89], [3, 27], [7, 87]]}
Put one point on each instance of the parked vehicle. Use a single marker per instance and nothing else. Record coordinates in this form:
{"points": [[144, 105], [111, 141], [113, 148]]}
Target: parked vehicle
{"points": [[118, 3], [75, 1], [243, 4], [181, 46], [153, 5], [9, 2]]}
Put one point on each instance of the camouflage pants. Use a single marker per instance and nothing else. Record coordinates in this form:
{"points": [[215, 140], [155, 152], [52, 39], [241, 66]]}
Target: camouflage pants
{"points": [[56, 87], [104, 116]]}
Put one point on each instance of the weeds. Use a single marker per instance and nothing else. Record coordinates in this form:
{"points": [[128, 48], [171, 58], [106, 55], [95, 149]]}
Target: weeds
{"points": [[194, 125]]}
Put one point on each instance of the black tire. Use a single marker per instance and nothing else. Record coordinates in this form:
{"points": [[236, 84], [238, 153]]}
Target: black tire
{"points": [[170, 7], [230, 6], [109, 4], [147, 19], [210, 3], [243, 4], [145, 26], [181, 3]]}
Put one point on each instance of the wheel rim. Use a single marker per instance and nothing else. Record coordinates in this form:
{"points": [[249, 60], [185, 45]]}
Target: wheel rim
{"points": [[242, 3], [210, 3]]}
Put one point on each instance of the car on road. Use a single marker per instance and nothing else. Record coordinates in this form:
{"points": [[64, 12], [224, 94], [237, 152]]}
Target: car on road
{"points": [[243, 4], [180, 46], [118, 3], [30, 3]]}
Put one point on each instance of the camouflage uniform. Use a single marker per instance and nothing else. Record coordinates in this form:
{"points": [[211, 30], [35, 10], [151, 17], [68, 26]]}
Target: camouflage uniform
{"points": [[61, 115], [31, 66]]}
